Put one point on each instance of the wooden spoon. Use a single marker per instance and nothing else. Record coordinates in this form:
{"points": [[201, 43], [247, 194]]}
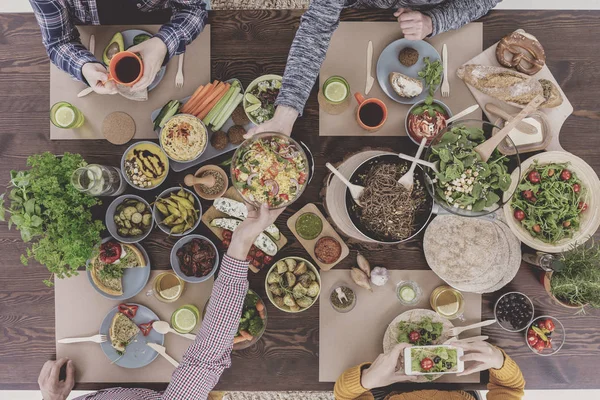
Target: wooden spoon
{"points": [[355, 190], [191, 180], [523, 126], [486, 148]]}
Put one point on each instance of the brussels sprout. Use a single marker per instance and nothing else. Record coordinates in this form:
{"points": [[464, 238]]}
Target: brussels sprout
{"points": [[313, 289], [289, 301], [117, 219], [299, 291], [127, 224], [273, 277], [301, 269], [278, 301], [291, 264], [276, 289], [305, 302], [147, 219], [289, 280], [281, 267], [305, 280], [294, 308]]}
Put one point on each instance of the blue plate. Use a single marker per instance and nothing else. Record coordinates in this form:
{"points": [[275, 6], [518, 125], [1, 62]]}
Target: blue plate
{"points": [[137, 354], [388, 62], [134, 279]]}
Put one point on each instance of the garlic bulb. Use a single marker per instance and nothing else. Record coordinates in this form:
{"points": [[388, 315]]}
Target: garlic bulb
{"points": [[379, 276]]}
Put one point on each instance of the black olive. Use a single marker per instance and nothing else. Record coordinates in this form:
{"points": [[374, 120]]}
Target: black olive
{"points": [[422, 332], [437, 359], [433, 336], [448, 365]]}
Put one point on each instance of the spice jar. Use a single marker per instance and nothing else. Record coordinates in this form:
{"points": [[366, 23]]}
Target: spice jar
{"points": [[342, 298]]}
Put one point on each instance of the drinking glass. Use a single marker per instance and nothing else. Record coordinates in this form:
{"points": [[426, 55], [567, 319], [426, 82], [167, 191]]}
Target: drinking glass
{"points": [[98, 180]]}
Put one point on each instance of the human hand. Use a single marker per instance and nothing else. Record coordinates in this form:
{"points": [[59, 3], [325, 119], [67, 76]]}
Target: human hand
{"points": [[480, 355], [257, 221], [414, 25], [386, 369], [96, 76], [282, 122], [51, 387], [152, 52]]}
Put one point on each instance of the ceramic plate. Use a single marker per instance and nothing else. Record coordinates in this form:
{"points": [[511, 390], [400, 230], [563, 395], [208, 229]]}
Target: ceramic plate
{"points": [[134, 279], [137, 354], [388, 62], [128, 36]]}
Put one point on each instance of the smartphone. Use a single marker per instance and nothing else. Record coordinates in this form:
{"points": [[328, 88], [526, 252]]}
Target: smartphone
{"points": [[430, 360]]}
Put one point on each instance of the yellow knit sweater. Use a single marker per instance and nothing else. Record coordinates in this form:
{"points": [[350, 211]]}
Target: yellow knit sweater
{"points": [[506, 383]]}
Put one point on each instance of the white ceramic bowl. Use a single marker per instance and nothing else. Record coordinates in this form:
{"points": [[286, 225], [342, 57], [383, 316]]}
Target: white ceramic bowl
{"points": [[158, 217], [198, 120], [177, 267], [124, 157], [251, 86], [310, 267]]}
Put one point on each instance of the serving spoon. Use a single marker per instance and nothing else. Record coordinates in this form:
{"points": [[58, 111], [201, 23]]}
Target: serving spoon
{"points": [[407, 180], [163, 328], [355, 190]]}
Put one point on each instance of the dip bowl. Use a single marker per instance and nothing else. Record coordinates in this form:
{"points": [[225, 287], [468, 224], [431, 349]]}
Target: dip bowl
{"points": [[416, 139]]}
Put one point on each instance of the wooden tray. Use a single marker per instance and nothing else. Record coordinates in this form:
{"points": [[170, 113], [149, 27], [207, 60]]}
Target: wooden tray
{"points": [[213, 213], [556, 116], [328, 230]]}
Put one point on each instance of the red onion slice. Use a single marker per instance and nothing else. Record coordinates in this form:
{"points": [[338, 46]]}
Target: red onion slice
{"points": [[273, 187], [250, 177]]}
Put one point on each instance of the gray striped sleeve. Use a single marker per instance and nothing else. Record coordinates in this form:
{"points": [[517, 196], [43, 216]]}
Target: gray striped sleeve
{"points": [[452, 14]]}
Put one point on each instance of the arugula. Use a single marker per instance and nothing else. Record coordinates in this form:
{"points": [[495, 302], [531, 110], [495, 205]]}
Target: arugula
{"points": [[51, 214], [431, 74]]}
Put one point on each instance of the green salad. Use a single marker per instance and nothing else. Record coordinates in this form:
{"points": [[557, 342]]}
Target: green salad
{"points": [[549, 202], [434, 359], [420, 333], [463, 180]]}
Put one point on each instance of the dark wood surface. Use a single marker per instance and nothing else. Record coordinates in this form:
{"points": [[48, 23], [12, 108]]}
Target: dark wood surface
{"points": [[246, 45]]}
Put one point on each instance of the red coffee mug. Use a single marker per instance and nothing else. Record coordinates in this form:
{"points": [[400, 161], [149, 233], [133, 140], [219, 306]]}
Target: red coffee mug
{"points": [[112, 67], [363, 102]]}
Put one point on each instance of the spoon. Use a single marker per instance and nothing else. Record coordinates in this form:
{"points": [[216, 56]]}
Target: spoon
{"points": [[191, 180], [523, 126], [407, 180], [163, 328], [486, 148], [355, 190], [461, 114], [431, 165]]}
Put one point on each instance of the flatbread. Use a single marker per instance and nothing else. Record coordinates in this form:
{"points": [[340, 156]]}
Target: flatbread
{"points": [[100, 284], [514, 259]]}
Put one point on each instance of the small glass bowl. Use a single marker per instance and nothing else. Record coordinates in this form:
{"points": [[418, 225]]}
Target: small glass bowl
{"points": [[414, 286], [505, 324], [342, 310], [558, 337]]}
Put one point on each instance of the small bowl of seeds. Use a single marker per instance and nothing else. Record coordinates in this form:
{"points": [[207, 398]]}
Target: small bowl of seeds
{"points": [[209, 182], [342, 298]]}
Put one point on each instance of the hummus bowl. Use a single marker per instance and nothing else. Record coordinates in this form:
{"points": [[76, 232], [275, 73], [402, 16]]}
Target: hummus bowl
{"points": [[184, 138]]}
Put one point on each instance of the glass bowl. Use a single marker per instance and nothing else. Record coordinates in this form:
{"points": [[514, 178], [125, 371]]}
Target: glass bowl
{"points": [[557, 336], [437, 192], [511, 297], [246, 343], [244, 161]]}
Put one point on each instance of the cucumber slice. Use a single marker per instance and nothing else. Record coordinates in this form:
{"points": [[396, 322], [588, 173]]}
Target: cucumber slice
{"points": [[166, 113]]}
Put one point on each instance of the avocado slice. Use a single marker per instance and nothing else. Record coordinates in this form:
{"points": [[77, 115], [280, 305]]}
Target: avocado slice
{"points": [[115, 45], [142, 37]]}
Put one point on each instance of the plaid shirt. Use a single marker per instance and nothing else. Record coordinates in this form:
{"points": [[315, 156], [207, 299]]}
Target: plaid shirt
{"points": [[57, 19], [206, 359]]}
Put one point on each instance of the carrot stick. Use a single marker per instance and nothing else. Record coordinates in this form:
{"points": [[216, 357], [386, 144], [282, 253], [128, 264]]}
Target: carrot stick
{"points": [[194, 101], [260, 306], [195, 107], [208, 98], [239, 339], [246, 335], [216, 97], [192, 97]]}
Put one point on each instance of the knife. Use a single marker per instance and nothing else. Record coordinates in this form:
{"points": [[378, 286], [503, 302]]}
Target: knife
{"points": [[370, 79], [92, 46], [163, 352]]}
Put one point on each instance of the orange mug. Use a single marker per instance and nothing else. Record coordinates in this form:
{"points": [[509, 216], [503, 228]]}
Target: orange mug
{"points": [[371, 113], [125, 68]]}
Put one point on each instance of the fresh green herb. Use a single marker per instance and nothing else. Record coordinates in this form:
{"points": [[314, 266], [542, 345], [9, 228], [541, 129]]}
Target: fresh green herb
{"points": [[51, 214], [578, 283], [432, 74], [110, 271]]}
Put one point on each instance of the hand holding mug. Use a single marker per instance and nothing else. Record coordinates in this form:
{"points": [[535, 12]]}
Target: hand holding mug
{"points": [[153, 52], [98, 78]]}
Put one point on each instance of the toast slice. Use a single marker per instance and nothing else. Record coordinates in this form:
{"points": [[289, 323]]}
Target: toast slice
{"points": [[122, 331], [405, 86]]}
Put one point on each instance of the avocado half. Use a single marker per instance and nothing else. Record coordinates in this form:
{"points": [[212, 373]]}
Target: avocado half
{"points": [[115, 45]]}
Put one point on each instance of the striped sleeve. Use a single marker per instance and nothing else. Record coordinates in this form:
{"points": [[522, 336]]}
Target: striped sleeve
{"points": [[456, 13]]}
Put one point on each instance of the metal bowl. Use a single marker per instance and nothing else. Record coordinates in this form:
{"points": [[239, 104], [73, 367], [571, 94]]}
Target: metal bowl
{"points": [[177, 267], [158, 217], [124, 158], [198, 120], [410, 110], [112, 227]]}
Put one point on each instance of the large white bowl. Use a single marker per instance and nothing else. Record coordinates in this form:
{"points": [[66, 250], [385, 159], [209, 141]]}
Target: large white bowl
{"points": [[251, 86], [590, 219]]}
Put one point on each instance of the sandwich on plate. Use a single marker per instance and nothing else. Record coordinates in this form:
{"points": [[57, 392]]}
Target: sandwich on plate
{"points": [[108, 267], [122, 331]]}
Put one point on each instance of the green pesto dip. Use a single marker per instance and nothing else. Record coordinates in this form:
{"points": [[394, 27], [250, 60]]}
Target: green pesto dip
{"points": [[309, 226]]}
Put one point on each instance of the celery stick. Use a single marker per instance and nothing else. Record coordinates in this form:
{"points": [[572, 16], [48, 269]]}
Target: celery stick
{"points": [[222, 111], [215, 110], [229, 111]]}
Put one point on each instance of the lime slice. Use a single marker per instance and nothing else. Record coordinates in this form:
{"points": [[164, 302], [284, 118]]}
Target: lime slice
{"points": [[407, 294], [64, 116], [336, 92], [253, 107], [184, 319], [252, 99], [171, 293], [448, 309]]}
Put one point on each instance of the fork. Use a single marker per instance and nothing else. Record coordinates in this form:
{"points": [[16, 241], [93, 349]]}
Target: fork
{"points": [[445, 84], [95, 339], [407, 180], [179, 76], [460, 329]]}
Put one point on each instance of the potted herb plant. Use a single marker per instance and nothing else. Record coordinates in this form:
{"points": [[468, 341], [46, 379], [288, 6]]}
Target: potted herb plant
{"points": [[577, 283]]}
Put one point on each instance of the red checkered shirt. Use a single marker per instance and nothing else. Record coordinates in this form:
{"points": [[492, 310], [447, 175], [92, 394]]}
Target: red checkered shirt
{"points": [[206, 359]]}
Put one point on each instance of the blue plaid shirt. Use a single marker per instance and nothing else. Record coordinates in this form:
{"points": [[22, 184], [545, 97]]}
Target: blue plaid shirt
{"points": [[57, 20]]}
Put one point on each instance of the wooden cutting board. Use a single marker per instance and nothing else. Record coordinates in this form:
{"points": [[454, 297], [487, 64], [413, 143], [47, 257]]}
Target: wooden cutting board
{"points": [[556, 116], [213, 213], [309, 245]]}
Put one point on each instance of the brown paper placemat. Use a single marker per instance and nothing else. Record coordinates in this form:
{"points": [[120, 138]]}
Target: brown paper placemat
{"points": [[346, 340], [80, 311], [95, 107], [347, 56]]}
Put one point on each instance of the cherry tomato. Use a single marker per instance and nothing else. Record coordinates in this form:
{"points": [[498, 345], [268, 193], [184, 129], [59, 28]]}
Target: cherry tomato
{"points": [[532, 340], [533, 199], [566, 224], [582, 206], [537, 228], [576, 188], [531, 332], [534, 177], [284, 196], [519, 215], [550, 325], [249, 258], [259, 254], [542, 324], [539, 346], [527, 194], [302, 178], [257, 263], [227, 234], [267, 259], [549, 343], [146, 328], [426, 364], [550, 172], [565, 175], [414, 336], [129, 310]]}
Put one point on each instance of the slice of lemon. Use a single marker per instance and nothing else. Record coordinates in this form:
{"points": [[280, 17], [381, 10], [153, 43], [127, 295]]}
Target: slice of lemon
{"points": [[448, 309], [336, 92], [253, 107], [252, 99], [64, 116], [185, 319], [171, 293]]}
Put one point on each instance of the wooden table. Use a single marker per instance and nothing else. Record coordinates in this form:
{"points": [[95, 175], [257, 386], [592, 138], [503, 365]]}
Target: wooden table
{"points": [[246, 45]]}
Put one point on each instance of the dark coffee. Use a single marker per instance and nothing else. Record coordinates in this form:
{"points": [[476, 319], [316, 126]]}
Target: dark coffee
{"points": [[371, 114], [127, 69]]}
